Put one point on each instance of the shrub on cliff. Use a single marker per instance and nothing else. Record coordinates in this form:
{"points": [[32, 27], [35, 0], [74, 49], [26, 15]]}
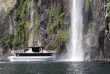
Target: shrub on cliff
{"points": [[6, 42], [87, 3]]}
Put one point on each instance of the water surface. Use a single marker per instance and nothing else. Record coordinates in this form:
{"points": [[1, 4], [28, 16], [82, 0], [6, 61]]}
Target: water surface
{"points": [[54, 67]]}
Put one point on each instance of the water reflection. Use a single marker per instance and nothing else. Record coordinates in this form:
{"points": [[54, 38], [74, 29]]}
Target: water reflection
{"points": [[74, 68], [54, 68], [88, 68], [33, 68]]}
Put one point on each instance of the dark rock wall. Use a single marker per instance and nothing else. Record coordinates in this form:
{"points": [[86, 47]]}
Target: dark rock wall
{"points": [[96, 30]]}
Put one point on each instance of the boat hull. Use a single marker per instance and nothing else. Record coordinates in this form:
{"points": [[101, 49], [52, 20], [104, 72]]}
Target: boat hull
{"points": [[30, 58]]}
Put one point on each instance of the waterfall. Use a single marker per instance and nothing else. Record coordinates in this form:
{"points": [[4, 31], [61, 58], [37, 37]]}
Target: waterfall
{"points": [[74, 47], [30, 43]]}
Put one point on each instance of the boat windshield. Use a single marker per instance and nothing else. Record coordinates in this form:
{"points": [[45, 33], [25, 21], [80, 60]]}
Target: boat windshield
{"points": [[26, 49], [36, 49]]}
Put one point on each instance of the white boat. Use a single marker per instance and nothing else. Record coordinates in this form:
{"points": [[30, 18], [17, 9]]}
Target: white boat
{"points": [[33, 54]]}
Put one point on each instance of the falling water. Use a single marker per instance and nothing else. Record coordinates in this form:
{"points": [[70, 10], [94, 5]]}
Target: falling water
{"points": [[30, 43], [75, 47]]}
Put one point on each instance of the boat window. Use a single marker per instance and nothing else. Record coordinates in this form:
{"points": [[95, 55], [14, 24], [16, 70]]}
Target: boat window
{"points": [[26, 49], [40, 49], [35, 49]]}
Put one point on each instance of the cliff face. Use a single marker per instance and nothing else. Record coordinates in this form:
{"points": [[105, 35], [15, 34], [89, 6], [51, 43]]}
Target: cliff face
{"points": [[93, 19], [96, 30], [7, 4], [5, 20], [5, 7], [50, 23], [54, 21]]}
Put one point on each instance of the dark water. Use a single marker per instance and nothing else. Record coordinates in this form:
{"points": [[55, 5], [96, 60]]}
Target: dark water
{"points": [[54, 68]]}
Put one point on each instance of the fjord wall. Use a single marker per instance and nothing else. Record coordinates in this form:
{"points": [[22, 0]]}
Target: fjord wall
{"points": [[51, 26]]}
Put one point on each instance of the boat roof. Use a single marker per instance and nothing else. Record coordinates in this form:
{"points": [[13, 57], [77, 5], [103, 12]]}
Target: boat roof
{"points": [[34, 47]]}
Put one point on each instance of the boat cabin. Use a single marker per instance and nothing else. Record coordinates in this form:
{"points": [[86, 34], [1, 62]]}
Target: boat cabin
{"points": [[33, 49]]}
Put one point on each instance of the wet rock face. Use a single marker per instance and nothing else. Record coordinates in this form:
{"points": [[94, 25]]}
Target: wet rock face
{"points": [[107, 39], [2, 11], [107, 48], [88, 17], [42, 16], [2, 27], [42, 8], [5, 20], [1, 54], [96, 31], [101, 37], [5, 5], [93, 36]]}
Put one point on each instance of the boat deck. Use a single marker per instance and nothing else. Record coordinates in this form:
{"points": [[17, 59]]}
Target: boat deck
{"points": [[34, 54]]}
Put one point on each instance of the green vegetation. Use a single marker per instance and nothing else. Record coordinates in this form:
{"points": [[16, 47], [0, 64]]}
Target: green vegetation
{"points": [[87, 3], [7, 42], [21, 11], [56, 25], [21, 32], [57, 28], [91, 28], [108, 9], [55, 17], [12, 41], [35, 27], [102, 18], [17, 15], [20, 38]]}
